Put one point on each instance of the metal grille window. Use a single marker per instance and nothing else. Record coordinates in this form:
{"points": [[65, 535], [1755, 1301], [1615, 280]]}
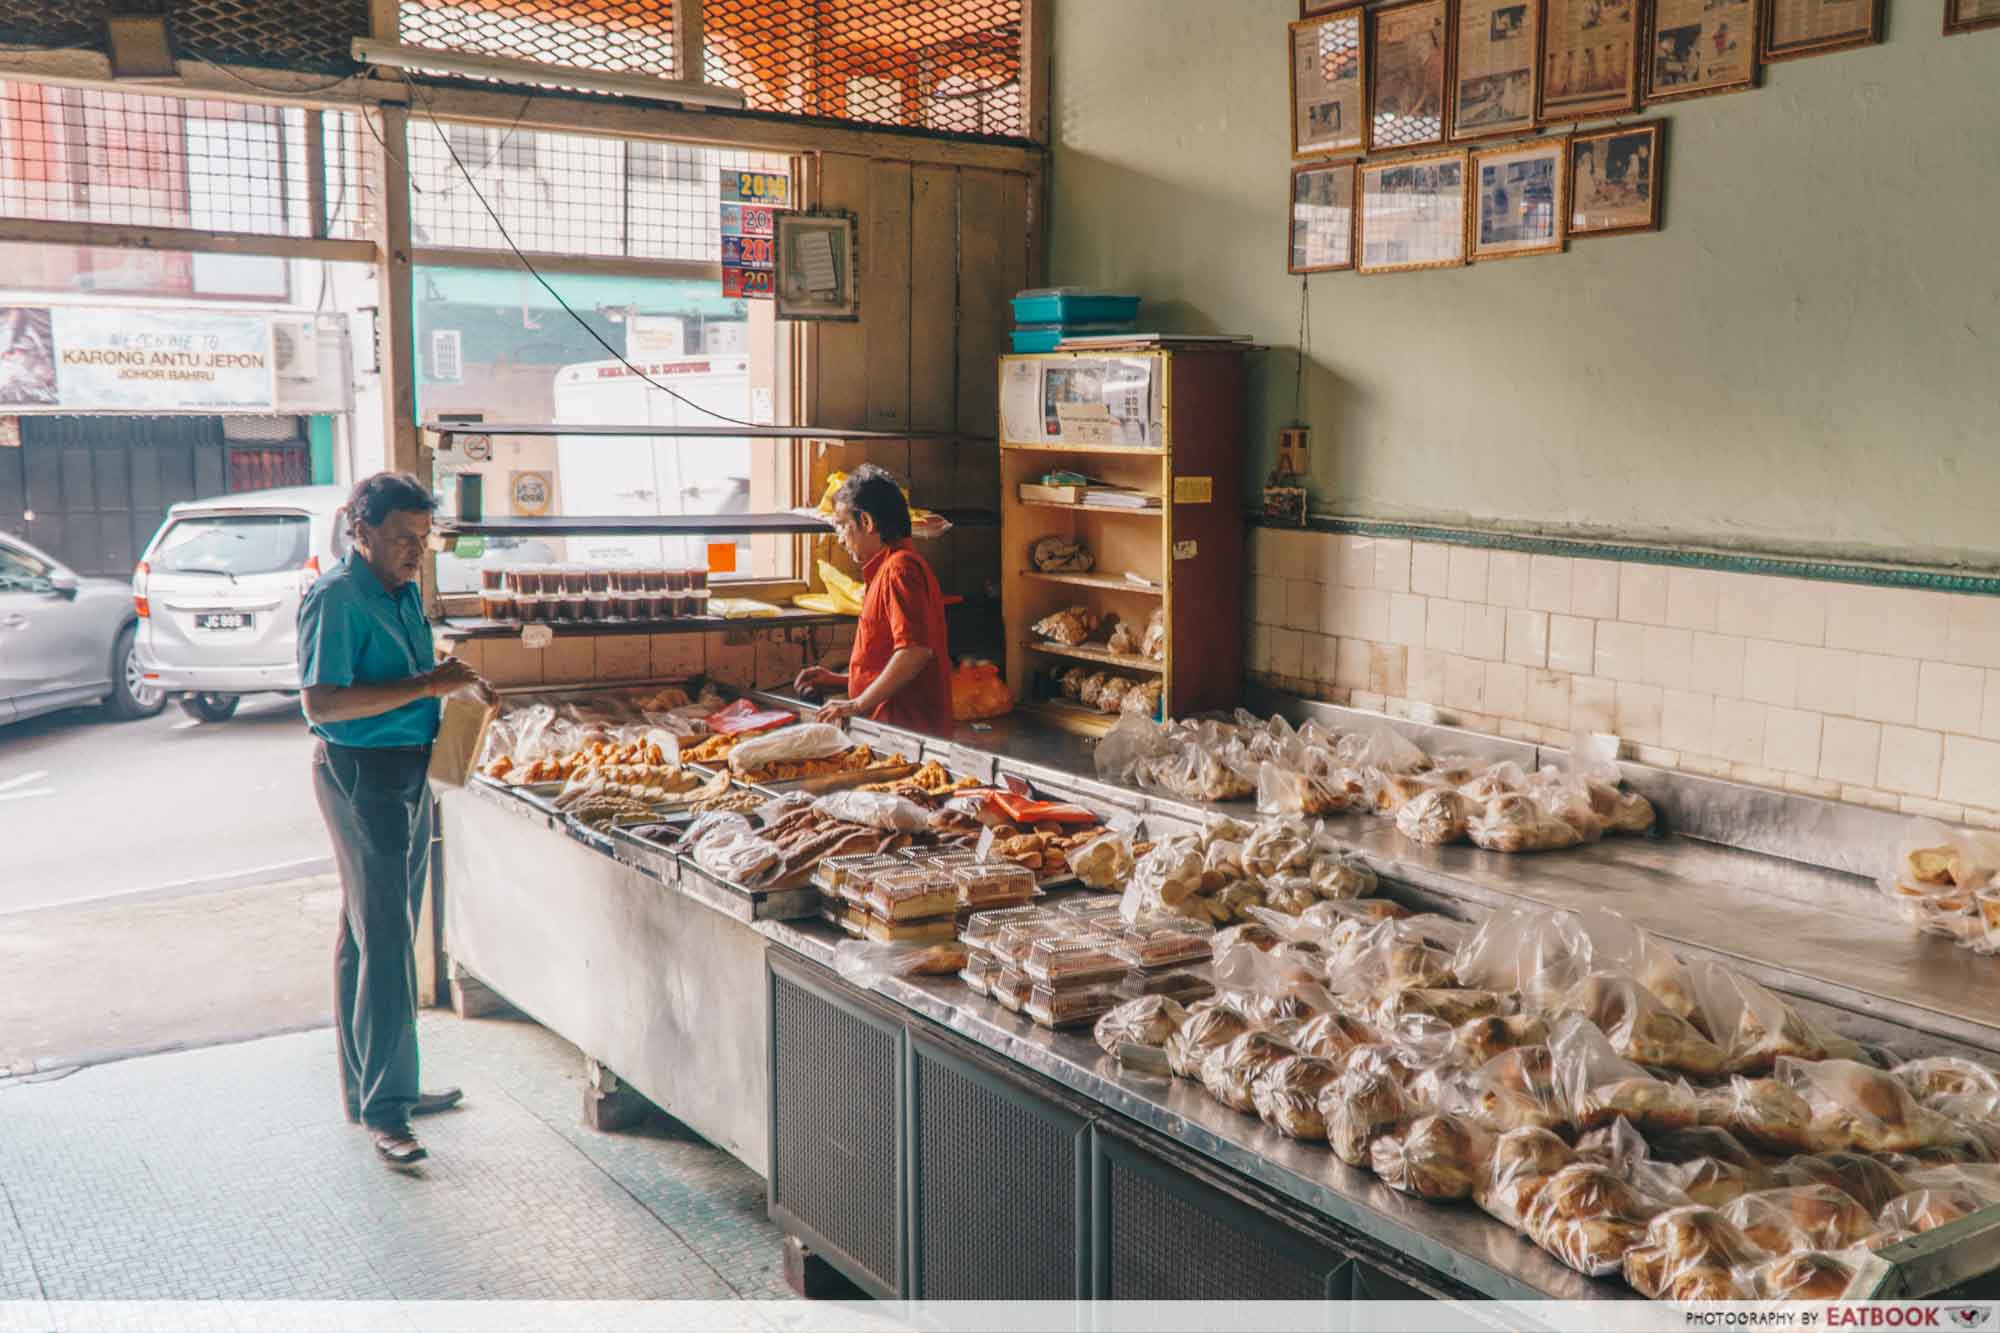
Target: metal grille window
{"points": [[312, 35], [90, 155], [632, 36], [951, 65], [570, 194]]}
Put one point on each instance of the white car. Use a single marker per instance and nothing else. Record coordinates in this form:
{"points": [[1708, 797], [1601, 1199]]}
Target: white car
{"points": [[218, 593]]}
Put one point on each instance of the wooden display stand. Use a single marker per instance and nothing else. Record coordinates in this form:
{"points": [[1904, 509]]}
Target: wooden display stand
{"points": [[1190, 546]]}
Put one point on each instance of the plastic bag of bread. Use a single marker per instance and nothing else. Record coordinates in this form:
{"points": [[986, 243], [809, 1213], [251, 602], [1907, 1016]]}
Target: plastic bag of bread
{"points": [[1753, 1026], [1479, 1040], [741, 858], [1111, 698], [1801, 1217], [1434, 817], [1149, 1020], [1937, 861], [1153, 645], [1512, 823], [1060, 555], [1703, 1141], [1230, 1073], [1287, 1095], [1092, 688], [1207, 1027], [1284, 791], [1929, 1208], [1762, 1112], [874, 809], [1072, 681], [1869, 1182], [1386, 957], [1805, 1275], [1363, 1105], [1105, 862], [1163, 879], [1560, 794], [1380, 749], [1121, 639], [1854, 1106], [1641, 1028], [1524, 1160], [865, 962], [1617, 944], [1434, 1157], [1597, 1085], [1541, 955], [1070, 627], [1195, 773], [1714, 1182], [787, 745], [1588, 1217], [1516, 1090], [1450, 1005], [1333, 1035], [1142, 700], [1503, 779], [1691, 1253], [1946, 1076]]}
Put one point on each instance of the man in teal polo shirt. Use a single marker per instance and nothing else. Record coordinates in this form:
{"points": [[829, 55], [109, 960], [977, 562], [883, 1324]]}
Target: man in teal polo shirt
{"points": [[372, 685]]}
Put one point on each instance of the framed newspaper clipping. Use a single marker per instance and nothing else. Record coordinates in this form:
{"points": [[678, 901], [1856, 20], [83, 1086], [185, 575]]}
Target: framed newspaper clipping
{"points": [[1614, 180], [1322, 219], [1700, 47], [1521, 193], [1409, 46], [1493, 68], [1590, 59], [1329, 73], [1412, 214], [1970, 15], [1797, 28]]}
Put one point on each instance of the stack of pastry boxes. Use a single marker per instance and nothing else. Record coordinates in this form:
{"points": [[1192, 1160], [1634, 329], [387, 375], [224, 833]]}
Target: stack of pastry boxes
{"points": [[1069, 964], [918, 895]]}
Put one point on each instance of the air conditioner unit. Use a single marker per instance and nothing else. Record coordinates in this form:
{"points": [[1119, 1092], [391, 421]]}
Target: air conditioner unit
{"points": [[295, 349], [447, 367]]}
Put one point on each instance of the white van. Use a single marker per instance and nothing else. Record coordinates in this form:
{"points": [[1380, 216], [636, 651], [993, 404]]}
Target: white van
{"points": [[218, 593]]}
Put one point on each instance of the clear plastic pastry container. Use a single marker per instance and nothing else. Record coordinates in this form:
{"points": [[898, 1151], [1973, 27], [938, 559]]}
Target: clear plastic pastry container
{"points": [[1067, 1006], [978, 971], [982, 929], [909, 894], [1092, 907], [991, 884], [939, 930], [837, 874], [1014, 941], [1164, 945], [1186, 984], [1010, 986], [1073, 959]]}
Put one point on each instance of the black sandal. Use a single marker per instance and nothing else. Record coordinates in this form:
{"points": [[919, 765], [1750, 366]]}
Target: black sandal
{"points": [[397, 1146]]}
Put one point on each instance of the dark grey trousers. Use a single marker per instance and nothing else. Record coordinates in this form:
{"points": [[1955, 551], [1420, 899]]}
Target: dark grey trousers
{"points": [[377, 808]]}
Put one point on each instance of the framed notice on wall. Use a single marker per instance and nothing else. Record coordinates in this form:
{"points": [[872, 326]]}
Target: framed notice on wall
{"points": [[1406, 100], [1322, 211], [1614, 180], [1701, 46], [1590, 58], [1520, 193], [1412, 214], [1970, 15], [1815, 27], [1493, 68], [1329, 82]]}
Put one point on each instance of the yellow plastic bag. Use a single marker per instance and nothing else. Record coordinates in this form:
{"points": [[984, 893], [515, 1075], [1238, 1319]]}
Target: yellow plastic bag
{"points": [[846, 592], [740, 608], [819, 601]]}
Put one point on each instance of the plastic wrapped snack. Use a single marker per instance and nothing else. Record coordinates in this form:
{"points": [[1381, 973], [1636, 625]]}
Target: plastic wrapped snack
{"points": [[1502, 779], [1070, 1006], [1615, 943], [1011, 988], [1588, 1217], [1753, 1026], [872, 809], [1153, 645], [1060, 555], [741, 858], [1762, 1112], [982, 929], [1363, 1105], [1869, 1182], [1541, 955], [1436, 1157], [1013, 941], [841, 876], [1147, 1021], [1513, 823], [1944, 1076], [1515, 1090], [1523, 1162], [1105, 862], [1285, 791], [1069, 627], [1434, 817], [909, 895], [1597, 1085], [1641, 1028], [1231, 1072], [1480, 1039], [1073, 960], [1805, 1275], [1854, 1106], [1333, 1035], [1690, 1253], [865, 962], [787, 745], [1287, 1095], [992, 885], [1449, 1005], [1801, 1217], [1205, 1030]]}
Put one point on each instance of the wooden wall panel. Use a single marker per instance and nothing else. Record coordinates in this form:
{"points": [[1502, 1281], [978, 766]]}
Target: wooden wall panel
{"points": [[885, 294], [840, 351]]}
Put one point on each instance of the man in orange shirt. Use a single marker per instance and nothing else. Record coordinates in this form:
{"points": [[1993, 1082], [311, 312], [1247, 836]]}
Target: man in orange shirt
{"points": [[898, 672]]}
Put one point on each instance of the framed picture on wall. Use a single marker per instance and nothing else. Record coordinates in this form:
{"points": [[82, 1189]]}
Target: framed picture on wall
{"points": [[1410, 49], [1614, 180], [1322, 219], [1815, 27], [1312, 9], [1700, 47], [1589, 59], [1970, 15], [1521, 199], [1493, 68], [1412, 214], [1329, 73], [815, 266]]}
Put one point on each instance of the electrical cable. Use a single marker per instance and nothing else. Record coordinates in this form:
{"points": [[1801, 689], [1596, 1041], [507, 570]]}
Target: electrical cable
{"points": [[535, 273], [1305, 347]]}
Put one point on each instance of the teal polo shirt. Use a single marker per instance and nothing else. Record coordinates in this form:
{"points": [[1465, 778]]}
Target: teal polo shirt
{"points": [[353, 631]]}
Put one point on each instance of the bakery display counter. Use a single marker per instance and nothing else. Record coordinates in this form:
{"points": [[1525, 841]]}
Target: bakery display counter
{"points": [[928, 1143]]}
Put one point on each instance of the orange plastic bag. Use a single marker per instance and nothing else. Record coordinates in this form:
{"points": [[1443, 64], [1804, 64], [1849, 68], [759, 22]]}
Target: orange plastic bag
{"points": [[978, 692]]}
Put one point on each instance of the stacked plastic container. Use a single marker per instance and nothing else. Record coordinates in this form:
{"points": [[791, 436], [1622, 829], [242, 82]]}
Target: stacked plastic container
{"points": [[1069, 965], [1044, 316]]}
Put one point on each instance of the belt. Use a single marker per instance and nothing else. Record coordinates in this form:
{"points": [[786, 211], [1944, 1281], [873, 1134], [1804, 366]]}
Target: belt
{"points": [[359, 750]]}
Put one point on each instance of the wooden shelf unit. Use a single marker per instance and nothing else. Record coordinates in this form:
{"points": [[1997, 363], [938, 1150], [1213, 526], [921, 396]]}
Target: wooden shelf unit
{"points": [[1200, 593]]}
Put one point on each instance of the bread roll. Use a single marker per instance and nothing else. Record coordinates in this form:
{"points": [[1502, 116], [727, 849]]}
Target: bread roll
{"points": [[1360, 1107], [1524, 1161], [1684, 1239], [1437, 1157], [1204, 1030], [1479, 1040], [1287, 1095], [1231, 1072], [1806, 1275], [1803, 1217], [1147, 1021]]}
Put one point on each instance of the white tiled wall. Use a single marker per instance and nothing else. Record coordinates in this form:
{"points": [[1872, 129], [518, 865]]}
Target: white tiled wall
{"points": [[1886, 697]]}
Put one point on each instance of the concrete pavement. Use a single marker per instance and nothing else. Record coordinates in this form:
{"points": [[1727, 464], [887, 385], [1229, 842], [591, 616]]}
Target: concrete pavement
{"points": [[91, 808]]}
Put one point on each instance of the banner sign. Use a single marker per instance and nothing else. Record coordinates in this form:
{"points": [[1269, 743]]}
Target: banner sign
{"points": [[749, 198]]}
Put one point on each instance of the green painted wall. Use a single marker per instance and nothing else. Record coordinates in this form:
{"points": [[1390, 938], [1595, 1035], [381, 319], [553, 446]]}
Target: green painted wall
{"points": [[1806, 358]]}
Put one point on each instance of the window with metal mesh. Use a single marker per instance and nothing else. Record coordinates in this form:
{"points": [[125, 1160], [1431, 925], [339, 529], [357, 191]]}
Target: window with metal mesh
{"points": [[632, 36], [950, 65], [569, 194], [310, 35], [108, 156]]}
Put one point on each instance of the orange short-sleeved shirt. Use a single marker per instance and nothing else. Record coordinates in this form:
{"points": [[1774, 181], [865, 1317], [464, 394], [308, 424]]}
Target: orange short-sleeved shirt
{"points": [[903, 608]]}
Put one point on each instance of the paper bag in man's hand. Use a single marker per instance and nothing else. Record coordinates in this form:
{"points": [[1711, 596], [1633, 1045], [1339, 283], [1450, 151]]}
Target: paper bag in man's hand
{"points": [[461, 734]]}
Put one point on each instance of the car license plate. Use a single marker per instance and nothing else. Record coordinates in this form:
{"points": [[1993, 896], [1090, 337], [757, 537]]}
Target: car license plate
{"points": [[222, 620]]}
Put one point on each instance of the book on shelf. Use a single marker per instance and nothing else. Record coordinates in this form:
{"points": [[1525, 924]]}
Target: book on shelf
{"points": [[1153, 341], [1107, 498]]}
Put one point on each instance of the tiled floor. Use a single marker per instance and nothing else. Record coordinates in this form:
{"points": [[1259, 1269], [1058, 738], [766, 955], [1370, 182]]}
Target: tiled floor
{"points": [[230, 1172]]}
